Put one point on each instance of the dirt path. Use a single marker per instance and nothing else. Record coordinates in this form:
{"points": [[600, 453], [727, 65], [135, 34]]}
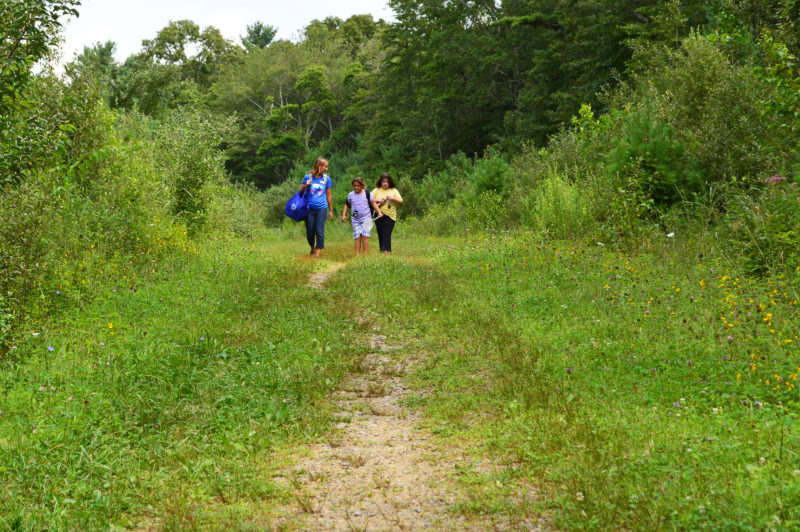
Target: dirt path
{"points": [[377, 471]]}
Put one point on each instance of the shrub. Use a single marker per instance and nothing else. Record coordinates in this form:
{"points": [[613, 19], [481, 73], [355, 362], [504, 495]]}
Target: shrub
{"points": [[714, 108], [26, 230], [490, 172], [765, 228], [190, 161], [413, 197], [649, 164], [487, 211], [560, 208], [239, 209], [275, 198]]}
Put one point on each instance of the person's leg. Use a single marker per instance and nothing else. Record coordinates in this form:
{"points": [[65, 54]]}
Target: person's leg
{"points": [[310, 221], [364, 244], [387, 238], [319, 231], [379, 226], [357, 236]]}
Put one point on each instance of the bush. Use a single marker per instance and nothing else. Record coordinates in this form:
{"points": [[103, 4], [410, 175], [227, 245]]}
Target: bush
{"points": [[275, 199], [238, 209], [26, 233], [765, 228], [486, 212], [649, 165], [715, 109], [560, 208], [190, 161], [413, 197]]}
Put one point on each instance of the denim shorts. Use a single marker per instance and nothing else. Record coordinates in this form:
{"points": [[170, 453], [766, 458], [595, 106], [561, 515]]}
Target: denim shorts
{"points": [[361, 228]]}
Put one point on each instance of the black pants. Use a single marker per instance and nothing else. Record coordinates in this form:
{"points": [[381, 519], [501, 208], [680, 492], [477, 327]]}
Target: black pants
{"points": [[384, 225]]}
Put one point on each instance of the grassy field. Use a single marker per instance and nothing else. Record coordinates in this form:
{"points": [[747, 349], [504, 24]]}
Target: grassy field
{"points": [[163, 396], [651, 391]]}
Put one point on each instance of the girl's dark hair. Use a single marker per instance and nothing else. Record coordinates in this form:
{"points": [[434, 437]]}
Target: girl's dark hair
{"points": [[358, 180], [382, 177]]}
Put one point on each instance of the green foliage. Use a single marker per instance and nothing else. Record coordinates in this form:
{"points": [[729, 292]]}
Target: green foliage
{"points": [[765, 228], [559, 208], [714, 107], [173, 43], [479, 213], [781, 110], [275, 199], [190, 161], [259, 35], [649, 165], [29, 28]]}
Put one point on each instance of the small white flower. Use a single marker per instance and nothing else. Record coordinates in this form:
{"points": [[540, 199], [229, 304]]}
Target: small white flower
{"points": [[762, 460], [715, 410], [601, 244], [670, 235], [579, 496], [702, 509]]}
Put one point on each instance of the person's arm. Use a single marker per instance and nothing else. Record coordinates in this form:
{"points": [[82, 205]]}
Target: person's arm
{"points": [[377, 207], [396, 197], [330, 203], [344, 212], [305, 184]]}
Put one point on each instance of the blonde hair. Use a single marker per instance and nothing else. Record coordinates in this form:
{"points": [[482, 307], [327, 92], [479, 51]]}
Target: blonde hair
{"points": [[320, 160]]}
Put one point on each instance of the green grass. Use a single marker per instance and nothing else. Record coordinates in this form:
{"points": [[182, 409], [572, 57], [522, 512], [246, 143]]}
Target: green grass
{"points": [[653, 391], [644, 392], [161, 398]]}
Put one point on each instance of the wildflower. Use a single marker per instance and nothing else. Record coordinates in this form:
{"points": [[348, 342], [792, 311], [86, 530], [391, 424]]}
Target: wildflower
{"points": [[777, 178], [110, 325], [762, 460], [670, 235], [730, 338], [50, 348], [579, 496]]}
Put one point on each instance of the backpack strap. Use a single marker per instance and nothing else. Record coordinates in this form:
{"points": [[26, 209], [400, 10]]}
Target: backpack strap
{"points": [[369, 201]]}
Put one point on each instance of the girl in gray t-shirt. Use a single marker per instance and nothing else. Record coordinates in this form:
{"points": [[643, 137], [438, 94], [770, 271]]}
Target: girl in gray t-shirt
{"points": [[358, 201]]}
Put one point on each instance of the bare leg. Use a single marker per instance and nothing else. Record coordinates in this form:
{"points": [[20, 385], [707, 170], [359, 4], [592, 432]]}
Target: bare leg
{"points": [[364, 245], [357, 244]]}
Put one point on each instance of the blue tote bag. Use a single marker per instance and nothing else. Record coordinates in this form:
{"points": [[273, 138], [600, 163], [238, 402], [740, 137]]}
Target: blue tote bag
{"points": [[297, 207]]}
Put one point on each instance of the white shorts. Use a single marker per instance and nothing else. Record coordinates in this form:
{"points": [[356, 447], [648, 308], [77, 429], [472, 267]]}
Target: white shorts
{"points": [[362, 228]]}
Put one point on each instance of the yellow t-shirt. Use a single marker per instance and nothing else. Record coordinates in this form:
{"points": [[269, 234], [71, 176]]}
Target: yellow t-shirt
{"points": [[389, 208]]}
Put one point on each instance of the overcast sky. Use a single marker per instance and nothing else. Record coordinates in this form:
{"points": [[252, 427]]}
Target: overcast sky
{"points": [[128, 22]]}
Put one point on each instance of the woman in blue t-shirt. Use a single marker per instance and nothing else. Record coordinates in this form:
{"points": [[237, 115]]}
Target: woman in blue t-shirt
{"points": [[319, 199]]}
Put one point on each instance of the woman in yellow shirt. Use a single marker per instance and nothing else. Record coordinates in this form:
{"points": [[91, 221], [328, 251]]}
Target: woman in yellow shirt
{"points": [[388, 198]]}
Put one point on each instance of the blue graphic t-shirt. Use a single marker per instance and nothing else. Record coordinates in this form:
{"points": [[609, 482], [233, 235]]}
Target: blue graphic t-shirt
{"points": [[316, 192]]}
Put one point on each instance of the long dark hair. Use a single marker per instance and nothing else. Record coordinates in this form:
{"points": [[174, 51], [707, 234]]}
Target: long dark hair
{"points": [[386, 176]]}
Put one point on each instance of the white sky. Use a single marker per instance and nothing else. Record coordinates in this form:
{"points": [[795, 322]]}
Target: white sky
{"points": [[128, 22]]}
